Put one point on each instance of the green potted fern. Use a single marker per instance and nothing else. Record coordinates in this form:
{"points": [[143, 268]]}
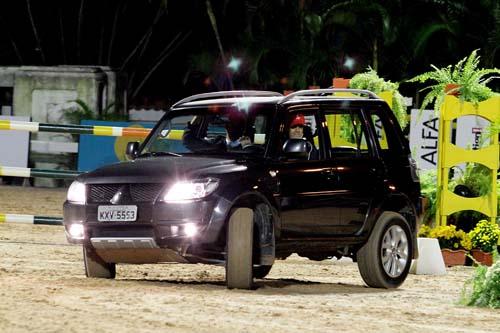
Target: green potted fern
{"points": [[483, 289], [370, 80], [464, 79]]}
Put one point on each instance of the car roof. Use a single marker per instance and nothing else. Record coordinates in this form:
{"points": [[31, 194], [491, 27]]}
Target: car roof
{"points": [[233, 101], [245, 97]]}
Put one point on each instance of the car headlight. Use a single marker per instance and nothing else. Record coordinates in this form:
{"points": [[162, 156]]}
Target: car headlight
{"points": [[190, 190], [77, 193]]}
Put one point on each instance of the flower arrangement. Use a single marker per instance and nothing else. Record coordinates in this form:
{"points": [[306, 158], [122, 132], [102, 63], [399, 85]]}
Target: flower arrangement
{"points": [[485, 236], [448, 237], [424, 230]]}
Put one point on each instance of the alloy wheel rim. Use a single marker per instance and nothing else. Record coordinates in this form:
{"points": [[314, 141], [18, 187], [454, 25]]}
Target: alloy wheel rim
{"points": [[394, 251]]}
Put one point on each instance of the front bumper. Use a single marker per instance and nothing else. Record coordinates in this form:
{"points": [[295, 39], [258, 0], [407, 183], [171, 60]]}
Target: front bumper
{"points": [[162, 222]]}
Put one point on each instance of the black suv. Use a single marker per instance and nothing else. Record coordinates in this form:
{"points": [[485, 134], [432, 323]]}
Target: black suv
{"points": [[241, 178]]}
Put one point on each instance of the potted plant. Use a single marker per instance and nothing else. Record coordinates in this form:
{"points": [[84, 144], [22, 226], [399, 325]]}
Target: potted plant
{"points": [[483, 289], [428, 181], [484, 238], [371, 81], [464, 79], [454, 243], [423, 231]]}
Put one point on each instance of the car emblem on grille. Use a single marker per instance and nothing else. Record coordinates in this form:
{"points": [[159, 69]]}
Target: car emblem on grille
{"points": [[121, 195]]}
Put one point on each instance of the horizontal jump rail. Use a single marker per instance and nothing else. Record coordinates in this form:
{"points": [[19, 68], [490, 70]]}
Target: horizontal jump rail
{"points": [[30, 219], [35, 127], [41, 173]]}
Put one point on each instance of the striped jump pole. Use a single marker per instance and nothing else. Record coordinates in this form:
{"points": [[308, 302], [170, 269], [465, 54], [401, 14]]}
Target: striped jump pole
{"points": [[42, 173], [35, 127], [27, 173], [30, 219]]}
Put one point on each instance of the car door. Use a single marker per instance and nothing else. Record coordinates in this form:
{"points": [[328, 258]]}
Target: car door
{"points": [[357, 174], [394, 151], [305, 191]]}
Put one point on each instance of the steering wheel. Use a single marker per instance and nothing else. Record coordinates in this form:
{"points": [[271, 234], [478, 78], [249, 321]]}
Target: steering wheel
{"points": [[219, 139], [253, 148]]}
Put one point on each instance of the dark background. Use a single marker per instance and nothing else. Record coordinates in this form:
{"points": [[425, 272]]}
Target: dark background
{"points": [[170, 49]]}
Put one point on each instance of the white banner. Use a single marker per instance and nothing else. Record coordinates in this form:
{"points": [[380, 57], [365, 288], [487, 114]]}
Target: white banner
{"points": [[424, 134], [469, 131], [14, 145]]}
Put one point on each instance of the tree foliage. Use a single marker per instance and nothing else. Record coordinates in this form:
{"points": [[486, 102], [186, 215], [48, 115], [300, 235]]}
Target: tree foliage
{"points": [[178, 48]]}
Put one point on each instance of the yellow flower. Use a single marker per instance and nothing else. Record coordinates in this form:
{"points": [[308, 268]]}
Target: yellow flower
{"points": [[485, 235]]}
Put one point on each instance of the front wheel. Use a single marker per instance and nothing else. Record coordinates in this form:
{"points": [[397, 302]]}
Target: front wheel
{"points": [[385, 259], [239, 270]]}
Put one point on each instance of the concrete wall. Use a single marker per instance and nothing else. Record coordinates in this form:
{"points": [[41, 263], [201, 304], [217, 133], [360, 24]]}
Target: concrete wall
{"points": [[45, 93], [96, 86], [87, 83], [7, 76]]}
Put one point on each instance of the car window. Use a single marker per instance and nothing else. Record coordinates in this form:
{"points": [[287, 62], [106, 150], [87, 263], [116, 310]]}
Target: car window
{"points": [[213, 131], [301, 132], [260, 125], [384, 133], [379, 131], [347, 133]]}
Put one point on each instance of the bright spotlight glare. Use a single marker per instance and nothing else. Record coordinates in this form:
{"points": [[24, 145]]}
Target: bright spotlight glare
{"points": [[349, 63], [234, 64]]}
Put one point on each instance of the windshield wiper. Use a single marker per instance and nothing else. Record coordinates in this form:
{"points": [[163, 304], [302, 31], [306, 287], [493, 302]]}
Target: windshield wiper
{"points": [[160, 153]]}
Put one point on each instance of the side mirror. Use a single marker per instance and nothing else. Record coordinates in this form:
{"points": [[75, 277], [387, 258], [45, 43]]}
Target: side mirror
{"points": [[132, 150], [296, 149]]}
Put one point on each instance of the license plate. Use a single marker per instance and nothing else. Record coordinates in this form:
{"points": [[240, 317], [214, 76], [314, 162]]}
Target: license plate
{"points": [[116, 213]]}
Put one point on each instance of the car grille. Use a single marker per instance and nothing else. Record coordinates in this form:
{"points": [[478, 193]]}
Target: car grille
{"points": [[103, 193]]}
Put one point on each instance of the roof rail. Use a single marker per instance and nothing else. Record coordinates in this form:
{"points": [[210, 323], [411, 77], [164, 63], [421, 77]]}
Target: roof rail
{"points": [[322, 92], [231, 93]]}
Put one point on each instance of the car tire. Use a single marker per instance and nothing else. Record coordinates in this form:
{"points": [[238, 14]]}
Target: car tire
{"points": [[239, 272], [260, 272], [95, 268], [384, 261]]}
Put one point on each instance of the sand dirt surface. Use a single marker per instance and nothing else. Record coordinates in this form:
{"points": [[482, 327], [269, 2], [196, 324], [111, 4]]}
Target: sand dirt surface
{"points": [[43, 289]]}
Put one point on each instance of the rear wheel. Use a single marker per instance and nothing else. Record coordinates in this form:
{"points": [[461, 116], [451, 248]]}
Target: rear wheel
{"points": [[239, 270], [96, 268], [384, 261]]}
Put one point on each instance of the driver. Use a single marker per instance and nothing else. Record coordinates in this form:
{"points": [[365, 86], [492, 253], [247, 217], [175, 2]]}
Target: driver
{"points": [[235, 130], [196, 141], [296, 131]]}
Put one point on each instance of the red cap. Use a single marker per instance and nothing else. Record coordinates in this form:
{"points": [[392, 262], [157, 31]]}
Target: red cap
{"points": [[298, 120]]}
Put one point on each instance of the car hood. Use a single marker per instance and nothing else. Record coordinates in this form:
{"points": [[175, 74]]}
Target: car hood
{"points": [[161, 169]]}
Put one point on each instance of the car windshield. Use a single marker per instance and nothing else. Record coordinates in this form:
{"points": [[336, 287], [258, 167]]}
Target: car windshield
{"points": [[213, 130]]}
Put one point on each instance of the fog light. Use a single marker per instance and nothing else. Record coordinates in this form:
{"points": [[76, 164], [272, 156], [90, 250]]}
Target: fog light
{"points": [[76, 231], [190, 229], [174, 230]]}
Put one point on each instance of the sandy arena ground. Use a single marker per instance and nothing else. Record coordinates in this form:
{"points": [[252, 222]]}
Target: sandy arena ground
{"points": [[43, 289]]}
